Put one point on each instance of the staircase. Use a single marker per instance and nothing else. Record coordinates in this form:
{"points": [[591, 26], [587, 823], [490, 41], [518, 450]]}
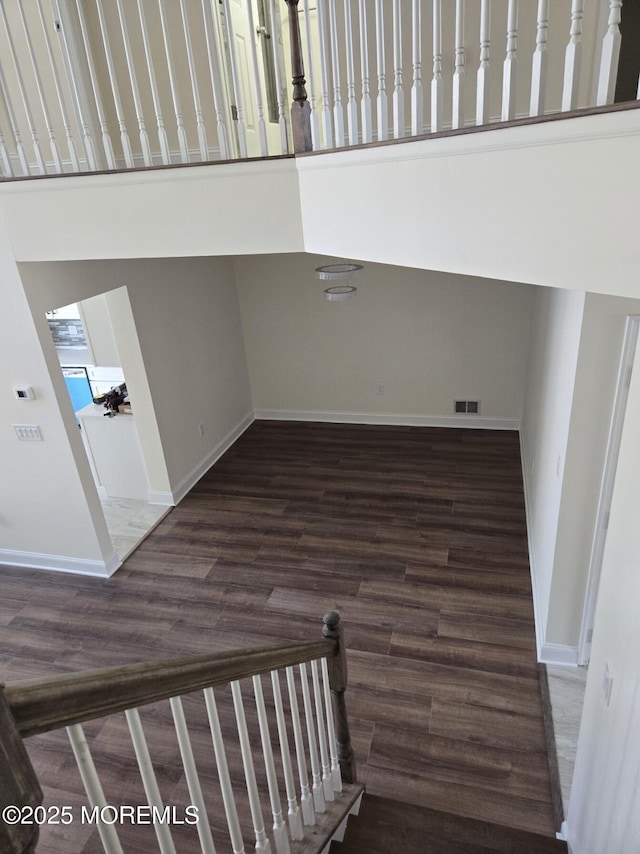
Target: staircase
{"points": [[384, 826]]}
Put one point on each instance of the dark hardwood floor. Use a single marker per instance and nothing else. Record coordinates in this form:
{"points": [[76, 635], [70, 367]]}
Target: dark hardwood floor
{"points": [[416, 536]]}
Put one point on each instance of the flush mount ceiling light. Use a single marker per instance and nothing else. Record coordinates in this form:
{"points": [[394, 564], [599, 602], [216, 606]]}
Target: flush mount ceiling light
{"points": [[339, 273], [340, 292]]}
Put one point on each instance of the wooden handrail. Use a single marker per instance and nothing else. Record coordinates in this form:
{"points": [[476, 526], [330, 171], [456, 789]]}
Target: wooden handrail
{"points": [[45, 704]]}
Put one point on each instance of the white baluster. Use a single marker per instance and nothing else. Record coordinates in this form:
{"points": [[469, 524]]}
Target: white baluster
{"points": [[137, 103], [191, 774], [217, 85], [417, 94], [195, 89], [183, 145], [436, 82], [306, 798], [539, 65], [162, 133], [457, 117], [352, 106], [22, 156], [482, 88], [151, 790], [226, 788], [327, 782], [5, 158], [53, 145], [338, 113], [381, 103], [572, 58], [280, 835], [86, 135], [294, 816], [71, 146], [365, 101], [262, 843], [93, 787], [397, 99], [638, 92], [124, 136], [235, 79], [336, 774], [23, 93], [257, 87], [610, 56], [325, 111], [276, 45], [510, 67], [311, 78], [316, 776]]}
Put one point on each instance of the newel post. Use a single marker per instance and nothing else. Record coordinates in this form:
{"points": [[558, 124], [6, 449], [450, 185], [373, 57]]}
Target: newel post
{"points": [[337, 664], [19, 787], [300, 108]]}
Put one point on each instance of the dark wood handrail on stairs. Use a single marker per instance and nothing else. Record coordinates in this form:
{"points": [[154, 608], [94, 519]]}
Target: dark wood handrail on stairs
{"points": [[39, 706]]}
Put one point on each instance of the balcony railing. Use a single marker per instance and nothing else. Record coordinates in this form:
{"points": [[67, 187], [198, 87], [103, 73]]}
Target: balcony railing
{"points": [[88, 85]]}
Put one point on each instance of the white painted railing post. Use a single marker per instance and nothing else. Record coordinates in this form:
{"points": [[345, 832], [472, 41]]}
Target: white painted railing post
{"points": [[539, 64], [509, 73], [610, 56], [195, 89], [318, 792], [352, 106], [183, 145], [293, 814], [217, 85], [382, 114], [457, 117], [22, 155], [397, 99], [327, 781], [325, 111], [338, 113], [482, 87], [306, 797], [142, 128], [311, 77], [257, 85], [417, 93], [162, 133], [572, 58], [436, 81], [124, 136], [336, 774], [365, 100], [276, 47], [280, 835]]}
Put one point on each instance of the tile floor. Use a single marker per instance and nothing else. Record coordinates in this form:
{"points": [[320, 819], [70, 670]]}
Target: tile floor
{"points": [[566, 689], [129, 521]]}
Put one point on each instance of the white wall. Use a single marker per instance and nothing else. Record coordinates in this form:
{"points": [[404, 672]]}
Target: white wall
{"points": [[429, 338]]}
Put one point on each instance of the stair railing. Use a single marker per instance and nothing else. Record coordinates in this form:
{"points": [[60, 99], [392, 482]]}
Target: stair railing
{"points": [[314, 806]]}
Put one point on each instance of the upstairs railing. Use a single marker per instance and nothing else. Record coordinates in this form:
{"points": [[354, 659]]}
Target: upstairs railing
{"points": [[304, 714], [89, 85]]}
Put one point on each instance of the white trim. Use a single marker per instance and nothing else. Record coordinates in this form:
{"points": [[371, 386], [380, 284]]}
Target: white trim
{"points": [[190, 480], [164, 498], [539, 617], [558, 653], [59, 563], [464, 421], [569, 838]]}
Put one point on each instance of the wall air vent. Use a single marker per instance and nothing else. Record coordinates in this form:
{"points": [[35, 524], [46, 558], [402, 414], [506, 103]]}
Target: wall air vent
{"points": [[466, 407]]}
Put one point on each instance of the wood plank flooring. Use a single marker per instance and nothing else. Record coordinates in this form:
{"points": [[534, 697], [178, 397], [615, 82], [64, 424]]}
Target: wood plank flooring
{"points": [[416, 536]]}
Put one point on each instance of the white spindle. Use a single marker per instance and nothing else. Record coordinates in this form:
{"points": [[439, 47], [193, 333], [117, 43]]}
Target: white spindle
{"points": [[226, 788], [352, 106], [457, 117], [195, 89], [325, 111], [86, 135], [217, 85], [71, 146], [23, 93], [133, 79], [638, 92], [293, 814], [280, 836], [5, 158], [572, 58], [365, 100], [316, 776], [22, 156], [276, 46], [381, 103], [306, 798], [510, 67], [539, 65], [482, 88], [175, 97], [124, 136], [336, 774], [237, 84], [191, 774], [53, 145], [262, 842], [157, 106], [610, 56], [257, 86], [338, 112], [327, 782], [93, 787], [311, 78], [397, 99], [436, 81], [417, 94], [151, 790]]}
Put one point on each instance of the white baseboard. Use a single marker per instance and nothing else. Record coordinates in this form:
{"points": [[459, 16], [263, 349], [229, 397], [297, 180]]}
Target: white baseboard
{"points": [[189, 481], [164, 498], [558, 653], [465, 421], [59, 563]]}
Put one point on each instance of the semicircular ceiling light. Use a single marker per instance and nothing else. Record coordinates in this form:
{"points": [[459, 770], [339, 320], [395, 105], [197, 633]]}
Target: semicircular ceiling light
{"points": [[339, 273]]}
